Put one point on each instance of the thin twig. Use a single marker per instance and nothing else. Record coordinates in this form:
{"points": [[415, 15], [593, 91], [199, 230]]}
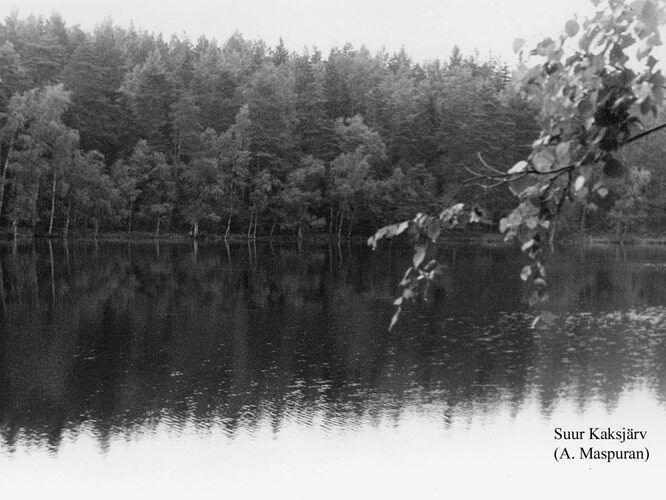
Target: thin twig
{"points": [[475, 174], [643, 134], [486, 186], [485, 164]]}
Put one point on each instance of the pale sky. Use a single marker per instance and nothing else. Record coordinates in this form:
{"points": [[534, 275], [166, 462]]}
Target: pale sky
{"points": [[427, 29]]}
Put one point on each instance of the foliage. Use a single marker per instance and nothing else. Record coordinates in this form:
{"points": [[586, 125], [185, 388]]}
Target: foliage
{"points": [[593, 86], [240, 124], [630, 206], [39, 146], [186, 133]]}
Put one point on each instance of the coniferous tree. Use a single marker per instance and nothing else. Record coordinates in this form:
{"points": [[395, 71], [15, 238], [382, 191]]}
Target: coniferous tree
{"points": [[150, 94], [94, 75]]}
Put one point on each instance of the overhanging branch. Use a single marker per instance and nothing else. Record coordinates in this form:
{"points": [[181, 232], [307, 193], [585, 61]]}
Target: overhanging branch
{"points": [[643, 134], [503, 177]]}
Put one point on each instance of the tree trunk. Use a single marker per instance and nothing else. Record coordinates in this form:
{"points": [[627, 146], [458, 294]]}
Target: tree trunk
{"points": [[270, 236], [177, 154], [330, 222], [195, 230], [52, 274], [53, 197], [300, 230], [96, 225], [249, 229], [4, 175], [35, 197], [66, 247], [340, 221], [351, 223], [583, 217], [157, 228], [661, 190], [2, 293], [15, 230], [226, 245], [65, 230], [254, 233], [34, 280], [226, 233]]}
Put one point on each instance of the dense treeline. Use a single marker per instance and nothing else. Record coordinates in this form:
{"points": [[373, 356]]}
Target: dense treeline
{"points": [[120, 130]]}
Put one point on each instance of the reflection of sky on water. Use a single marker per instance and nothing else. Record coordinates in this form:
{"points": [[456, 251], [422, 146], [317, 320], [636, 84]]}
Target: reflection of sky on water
{"points": [[477, 454], [130, 357]]}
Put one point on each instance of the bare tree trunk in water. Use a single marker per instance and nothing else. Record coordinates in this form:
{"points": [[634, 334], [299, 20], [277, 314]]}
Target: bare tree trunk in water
{"points": [[330, 223], [254, 233], [157, 229], [96, 225], [270, 236], [53, 196], [351, 223], [15, 229], [195, 230], [300, 230]]}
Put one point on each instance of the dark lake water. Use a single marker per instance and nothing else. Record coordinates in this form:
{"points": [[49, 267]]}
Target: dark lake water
{"points": [[168, 370]]}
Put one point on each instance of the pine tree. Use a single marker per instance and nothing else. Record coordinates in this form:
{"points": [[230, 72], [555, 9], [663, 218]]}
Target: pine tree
{"points": [[150, 94], [94, 75]]}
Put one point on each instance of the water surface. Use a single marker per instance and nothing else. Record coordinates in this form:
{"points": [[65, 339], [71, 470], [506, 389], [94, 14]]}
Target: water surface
{"points": [[269, 370]]}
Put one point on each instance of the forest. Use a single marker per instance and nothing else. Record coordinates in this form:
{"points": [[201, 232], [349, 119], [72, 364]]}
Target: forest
{"points": [[117, 130]]}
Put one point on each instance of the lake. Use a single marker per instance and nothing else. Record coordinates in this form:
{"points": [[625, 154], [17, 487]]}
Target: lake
{"points": [[252, 371]]}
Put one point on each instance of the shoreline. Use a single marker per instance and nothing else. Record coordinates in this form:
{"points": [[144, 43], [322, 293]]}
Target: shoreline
{"points": [[450, 238]]}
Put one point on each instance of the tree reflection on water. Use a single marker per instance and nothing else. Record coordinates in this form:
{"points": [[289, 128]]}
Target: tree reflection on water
{"points": [[119, 338]]}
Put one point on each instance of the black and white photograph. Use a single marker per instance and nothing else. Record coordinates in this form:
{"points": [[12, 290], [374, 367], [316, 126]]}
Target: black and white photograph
{"points": [[337, 249]]}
